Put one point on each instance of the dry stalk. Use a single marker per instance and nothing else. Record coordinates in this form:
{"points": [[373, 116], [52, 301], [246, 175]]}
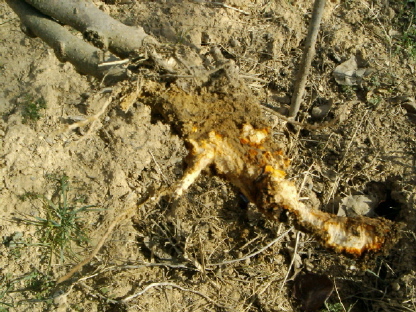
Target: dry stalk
{"points": [[168, 284], [308, 53], [295, 250], [125, 214], [339, 297], [90, 120]]}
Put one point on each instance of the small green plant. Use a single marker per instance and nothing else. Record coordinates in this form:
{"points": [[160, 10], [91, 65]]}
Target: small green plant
{"points": [[35, 283], [6, 286], [39, 284], [406, 23], [333, 307], [349, 91], [62, 224], [409, 41], [31, 108], [374, 100]]}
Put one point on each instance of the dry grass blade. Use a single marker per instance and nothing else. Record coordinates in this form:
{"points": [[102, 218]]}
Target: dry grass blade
{"points": [[254, 253], [292, 261], [127, 213], [168, 284]]}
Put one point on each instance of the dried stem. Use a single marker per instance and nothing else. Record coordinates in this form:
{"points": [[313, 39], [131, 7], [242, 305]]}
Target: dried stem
{"points": [[124, 215], [168, 284], [308, 54]]}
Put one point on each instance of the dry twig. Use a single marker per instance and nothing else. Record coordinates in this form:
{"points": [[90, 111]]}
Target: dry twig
{"points": [[295, 250], [125, 214], [308, 53]]}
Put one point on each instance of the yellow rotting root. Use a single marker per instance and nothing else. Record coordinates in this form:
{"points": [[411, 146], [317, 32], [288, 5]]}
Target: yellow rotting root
{"points": [[260, 175]]}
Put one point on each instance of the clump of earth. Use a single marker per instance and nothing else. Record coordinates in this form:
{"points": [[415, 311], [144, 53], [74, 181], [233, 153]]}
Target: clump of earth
{"points": [[201, 254]]}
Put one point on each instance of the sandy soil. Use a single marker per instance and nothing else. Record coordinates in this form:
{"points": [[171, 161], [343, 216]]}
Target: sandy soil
{"points": [[198, 255]]}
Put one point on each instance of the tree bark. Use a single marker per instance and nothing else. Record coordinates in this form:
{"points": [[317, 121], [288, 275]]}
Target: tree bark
{"points": [[97, 27], [67, 47]]}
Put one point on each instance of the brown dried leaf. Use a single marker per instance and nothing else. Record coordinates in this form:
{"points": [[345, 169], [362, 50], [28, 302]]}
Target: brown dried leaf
{"points": [[312, 290]]}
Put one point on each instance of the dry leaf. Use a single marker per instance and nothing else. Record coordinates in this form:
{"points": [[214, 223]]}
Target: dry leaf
{"points": [[312, 290]]}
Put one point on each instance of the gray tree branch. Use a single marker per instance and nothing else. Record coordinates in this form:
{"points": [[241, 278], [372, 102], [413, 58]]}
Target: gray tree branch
{"points": [[97, 27], [67, 47]]}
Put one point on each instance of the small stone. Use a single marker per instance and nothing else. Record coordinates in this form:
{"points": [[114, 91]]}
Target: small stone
{"points": [[395, 286], [412, 118], [319, 112], [234, 43], [361, 205]]}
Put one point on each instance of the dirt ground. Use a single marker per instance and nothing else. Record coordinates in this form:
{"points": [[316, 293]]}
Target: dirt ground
{"points": [[201, 255]]}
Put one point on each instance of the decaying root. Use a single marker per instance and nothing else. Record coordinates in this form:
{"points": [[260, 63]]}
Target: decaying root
{"points": [[260, 175]]}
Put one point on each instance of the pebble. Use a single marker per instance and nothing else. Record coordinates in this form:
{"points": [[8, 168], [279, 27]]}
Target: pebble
{"points": [[319, 112], [395, 286], [361, 205]]}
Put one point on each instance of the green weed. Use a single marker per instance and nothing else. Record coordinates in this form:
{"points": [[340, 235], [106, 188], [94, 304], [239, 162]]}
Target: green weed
{"points": [[333, 307], [406, 22], [349, 91], [374, 100], [39, 285], [5, 287], [31, 108], [63, 222], [409, 41], [35, 283]]}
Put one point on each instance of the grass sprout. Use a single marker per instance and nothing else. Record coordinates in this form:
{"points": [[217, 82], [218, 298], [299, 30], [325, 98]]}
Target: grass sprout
{"points": [[62, 224], [31, 108], [36, 283]]}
